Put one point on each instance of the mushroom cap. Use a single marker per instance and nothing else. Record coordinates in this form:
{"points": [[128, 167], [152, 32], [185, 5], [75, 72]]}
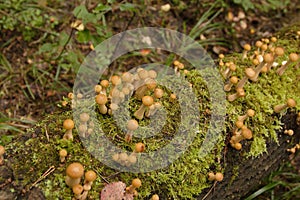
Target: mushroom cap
{"points": [[250, 72], [219, 176], [132, 158], [63, 153], [247, 47], [239, 124], [75, 170], [268, 58], [293, 57], [250, 112], [238, 146], [68, 124], [279, 51], [101, 99], [139, 147], [104, 83], [84, 117], [132, 124], [291, 103], [247, 133], [90, 176], [147, 100], [143, 74], [127, 77], [264, 47], [98, 88], [232, 67], [152, 74], [116, 80], [2, 150], [158, 93], [151, 83], [155, 197], [233, 79], [123, 156], [258, 43], [136, 183], [77, 189]]}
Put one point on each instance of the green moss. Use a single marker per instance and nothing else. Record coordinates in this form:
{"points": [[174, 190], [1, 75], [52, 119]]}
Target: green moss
{"points": [[36, 151]]}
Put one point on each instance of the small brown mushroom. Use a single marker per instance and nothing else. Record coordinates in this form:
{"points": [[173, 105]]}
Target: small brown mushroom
{"points": [[74, 173], [293, 57], [63, 154], [68, 125], [132, 125], [289, 103]]}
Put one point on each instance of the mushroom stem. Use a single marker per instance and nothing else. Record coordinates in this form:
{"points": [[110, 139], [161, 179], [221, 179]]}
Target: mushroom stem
{"points": [[147, 101], [249, 73], [268, 60]]}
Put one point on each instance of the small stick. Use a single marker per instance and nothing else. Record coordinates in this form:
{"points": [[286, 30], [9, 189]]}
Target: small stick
{"points": [[43, 176]]}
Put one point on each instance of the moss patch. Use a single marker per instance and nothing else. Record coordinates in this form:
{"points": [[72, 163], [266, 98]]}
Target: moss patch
{"points": [[37, 150]]}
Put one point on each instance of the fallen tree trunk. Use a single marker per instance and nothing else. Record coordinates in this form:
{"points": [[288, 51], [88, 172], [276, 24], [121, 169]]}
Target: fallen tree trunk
{"points": [[23, 176]]}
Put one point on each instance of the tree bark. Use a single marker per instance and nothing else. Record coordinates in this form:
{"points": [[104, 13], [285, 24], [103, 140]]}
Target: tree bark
{"points": [[238, 184]]}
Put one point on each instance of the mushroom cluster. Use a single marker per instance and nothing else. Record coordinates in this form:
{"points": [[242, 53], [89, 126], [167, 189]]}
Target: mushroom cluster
{"points": [[74, 174], [263, 57]]}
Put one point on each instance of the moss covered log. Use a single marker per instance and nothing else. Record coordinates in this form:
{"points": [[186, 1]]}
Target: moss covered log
{"points": [[29, 156]]}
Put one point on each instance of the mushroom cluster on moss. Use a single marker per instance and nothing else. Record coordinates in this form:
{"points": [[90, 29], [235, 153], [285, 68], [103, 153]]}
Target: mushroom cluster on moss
{"points": [[74, 174]]}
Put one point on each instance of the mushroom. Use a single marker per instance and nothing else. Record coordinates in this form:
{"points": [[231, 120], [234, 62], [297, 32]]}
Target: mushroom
{"points": [[298, 118], [104, 84], [247, 47], [98, 88], [152, 74], [132, 158], [77, 190], [249, 113], [158, 93], [136, 183], [2, 151], [89, 177], [63, 154], [146, 102], [132, 125], [293, 57], [233, 80], [74, 173], [239, 93], [150, 84], [101, 100], [155, 197], [153, 109], [268, 60], [289, 103], [211, 176], [219, 176], [289, 132], [139, 147], [86, 189], [231, 67], [221, 57], [173, 97], [84, 118], [68, 125], [249, 73]]}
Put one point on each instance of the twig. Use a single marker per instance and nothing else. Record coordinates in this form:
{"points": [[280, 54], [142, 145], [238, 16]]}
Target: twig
{"points": [[46, 132], [210, 190], [43, 176], [101, 176]]}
